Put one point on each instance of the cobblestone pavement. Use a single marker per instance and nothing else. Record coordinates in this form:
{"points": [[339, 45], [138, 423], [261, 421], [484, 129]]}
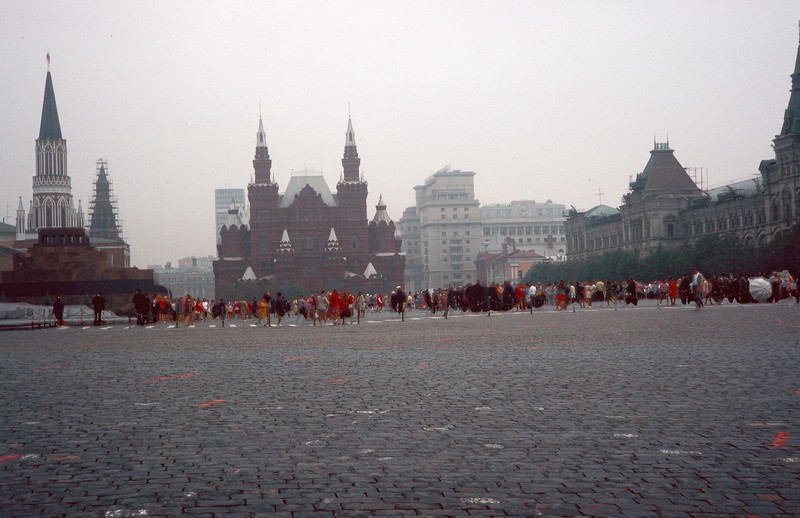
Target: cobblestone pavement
{"points": [[637, 412]]}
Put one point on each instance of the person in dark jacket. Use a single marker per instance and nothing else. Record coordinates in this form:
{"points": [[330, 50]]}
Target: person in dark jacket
{"points": [[58, 311], [99, 305]]}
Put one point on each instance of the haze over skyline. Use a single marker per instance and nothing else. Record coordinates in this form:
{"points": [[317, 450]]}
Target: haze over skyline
{"points": [[541, 100]]}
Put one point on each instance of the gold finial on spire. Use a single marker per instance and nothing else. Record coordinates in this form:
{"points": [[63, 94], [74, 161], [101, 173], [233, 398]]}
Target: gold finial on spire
{"points": [[348, 109], [259, 110], [48, 61]]}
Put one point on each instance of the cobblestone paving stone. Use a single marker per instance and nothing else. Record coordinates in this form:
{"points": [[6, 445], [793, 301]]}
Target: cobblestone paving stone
{"points": [[636, 412]]}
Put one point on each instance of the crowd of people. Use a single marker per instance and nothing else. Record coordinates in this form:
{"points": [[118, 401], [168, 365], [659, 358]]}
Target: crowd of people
{"points": [[334, 307], [342, 307], [692, 288]]}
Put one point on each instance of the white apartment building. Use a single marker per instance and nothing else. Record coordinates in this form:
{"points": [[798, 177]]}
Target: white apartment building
{"points": [[449, 230]]}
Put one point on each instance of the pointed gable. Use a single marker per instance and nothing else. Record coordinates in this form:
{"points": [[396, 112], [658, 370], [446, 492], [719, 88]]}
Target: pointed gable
{"points": [[381, 216], [333, 242], [285, 246]]}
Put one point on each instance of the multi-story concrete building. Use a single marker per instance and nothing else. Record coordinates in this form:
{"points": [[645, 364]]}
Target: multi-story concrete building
{"points": [[528, 225], [449, 230], [408, 226], [194, 275], [665, 207], [224, 199]]}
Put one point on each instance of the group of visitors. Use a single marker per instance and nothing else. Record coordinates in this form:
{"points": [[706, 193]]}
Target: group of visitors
{"points": [[340, 307], [691, 288]]}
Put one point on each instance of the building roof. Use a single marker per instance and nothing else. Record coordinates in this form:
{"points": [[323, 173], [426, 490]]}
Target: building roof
{"points": [[663, 172], [380, 213], [50, 127], [601, 211], [314, 180], [735, 190]]}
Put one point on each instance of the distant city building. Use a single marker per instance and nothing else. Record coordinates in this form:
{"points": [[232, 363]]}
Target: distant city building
{"points": [[447, 232], [51, 206], [507, 265], [664, 206], [408, 226], [528, 225], [223, 200], [447, 227], [193, 275], [309, 237]]}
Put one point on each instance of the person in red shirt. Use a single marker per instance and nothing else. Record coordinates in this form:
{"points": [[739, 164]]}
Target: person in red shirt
{"points": [[336, 308]]}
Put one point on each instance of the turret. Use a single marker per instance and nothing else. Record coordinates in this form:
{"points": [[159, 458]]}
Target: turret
{"points": [[262, 164], [350, 160]]}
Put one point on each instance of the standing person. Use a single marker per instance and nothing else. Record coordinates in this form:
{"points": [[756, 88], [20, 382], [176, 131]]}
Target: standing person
{"points": [[334, 307], [188, 309], [140, 306], [697, 285], [311, 309], [263, 310], [580, 293], [323, 304], [361, 305], [631, 296], [401, 303], [281, 307], [222, 310], [673, 291], [685, 289], [99, 305], [663, 291], [58, 311], [561, 295]]}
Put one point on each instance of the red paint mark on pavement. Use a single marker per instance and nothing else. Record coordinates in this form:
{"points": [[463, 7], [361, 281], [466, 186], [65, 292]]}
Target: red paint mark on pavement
{"points": [[337, 380], [295, 358], [210, 403], [797, 392], [175, 377], [423, 366], [534, 348], [51, 367], [780, 440], [7, 458]]}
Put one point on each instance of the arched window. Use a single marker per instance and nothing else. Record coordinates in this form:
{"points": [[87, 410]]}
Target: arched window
{"points": [[786, 202], [263, 245], [353, 241], [308, 243]]}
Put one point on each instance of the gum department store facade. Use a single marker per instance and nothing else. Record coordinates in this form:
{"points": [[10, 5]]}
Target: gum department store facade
{"points": [[664, 206]]}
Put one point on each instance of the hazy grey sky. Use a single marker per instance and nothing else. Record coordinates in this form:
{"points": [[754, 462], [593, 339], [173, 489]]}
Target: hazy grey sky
{"points": [[541, 99]]}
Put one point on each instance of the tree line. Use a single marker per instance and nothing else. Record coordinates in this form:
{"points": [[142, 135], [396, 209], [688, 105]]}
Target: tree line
{"points": [[713, 254]]}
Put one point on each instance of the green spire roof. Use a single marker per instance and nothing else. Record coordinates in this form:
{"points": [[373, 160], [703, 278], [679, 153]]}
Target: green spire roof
{"points": [[50, 127]]}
